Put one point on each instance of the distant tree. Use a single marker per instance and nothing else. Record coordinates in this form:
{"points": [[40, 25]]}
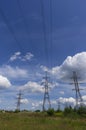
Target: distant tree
{"points": [[37, 110], [68, 110], [81, 110], [50, 112]]}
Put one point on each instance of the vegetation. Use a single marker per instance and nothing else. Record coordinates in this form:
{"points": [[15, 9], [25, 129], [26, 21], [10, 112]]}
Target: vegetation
{"points": [[69, 119], [80, 112], [50, 112]]}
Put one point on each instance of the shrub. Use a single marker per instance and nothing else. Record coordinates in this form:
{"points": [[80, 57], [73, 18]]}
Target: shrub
{"points": [[37, 110], [81, 110], [50, 112], [16, 111]]}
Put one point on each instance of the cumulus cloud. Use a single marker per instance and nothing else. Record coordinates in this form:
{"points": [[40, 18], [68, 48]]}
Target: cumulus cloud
{"points": [[53, 102], [69, 100], [17, 56], [75, 63], [24, 101], [13, 72], [84, 99], [61, 92], [37, 104], [32, 87], [28, 57], [4, 82], [44, 68]]}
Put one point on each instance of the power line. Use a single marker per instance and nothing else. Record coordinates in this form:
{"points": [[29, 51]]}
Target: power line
{"points": [[44, 32], [23, 16], [11, 30], [24, 20], [48, 42], [9, 27], [51, 32]]}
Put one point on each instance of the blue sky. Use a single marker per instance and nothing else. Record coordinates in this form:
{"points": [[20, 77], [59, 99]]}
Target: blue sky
{"points": [[36, 35]]}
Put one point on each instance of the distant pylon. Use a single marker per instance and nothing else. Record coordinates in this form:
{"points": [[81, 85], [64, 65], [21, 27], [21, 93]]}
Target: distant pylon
{"points": [[19, 101], [66, 103], [59, 105], [77, 89], [46, 93]]}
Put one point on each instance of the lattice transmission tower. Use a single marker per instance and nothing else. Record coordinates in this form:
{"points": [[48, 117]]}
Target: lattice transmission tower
{"points": [[46, 93], [19, 101], [77, 90], [59, 105]]}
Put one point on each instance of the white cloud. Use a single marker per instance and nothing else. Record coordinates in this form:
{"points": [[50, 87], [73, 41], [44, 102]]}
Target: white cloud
{"points": [[4, 82], [76, 63], [32, 87], [28, 57], [67, 100], [24, 101], [17, 56], [44, 68], [84, 100], [84, 97], [37, 104], [13, 72], [53, 102], [61, 92]]}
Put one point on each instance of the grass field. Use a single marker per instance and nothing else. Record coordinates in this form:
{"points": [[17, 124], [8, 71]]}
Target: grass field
{"points": [[37, 121]]}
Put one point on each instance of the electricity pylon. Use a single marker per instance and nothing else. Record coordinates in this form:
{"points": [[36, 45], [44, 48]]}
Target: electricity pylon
{"points": [[66, 103], [19, 101], [77, 89], [59, 104], [46, 93]]}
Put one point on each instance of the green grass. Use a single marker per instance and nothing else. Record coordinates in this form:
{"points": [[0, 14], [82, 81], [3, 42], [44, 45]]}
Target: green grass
{"points": [[39, 121]]}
